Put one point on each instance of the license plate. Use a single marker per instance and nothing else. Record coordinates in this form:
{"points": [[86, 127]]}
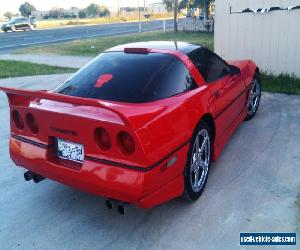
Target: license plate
{"points": [[70, 150]]}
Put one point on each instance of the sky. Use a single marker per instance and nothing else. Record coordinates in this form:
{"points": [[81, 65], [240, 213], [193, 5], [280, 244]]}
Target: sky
{"points": [[13, 5]]}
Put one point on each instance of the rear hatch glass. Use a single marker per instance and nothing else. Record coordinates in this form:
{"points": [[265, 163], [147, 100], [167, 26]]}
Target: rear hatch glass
{"points": [[132, 78]]}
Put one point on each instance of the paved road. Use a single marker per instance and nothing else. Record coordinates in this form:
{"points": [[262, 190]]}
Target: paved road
{"points": [[19, 39], [252, 187]]}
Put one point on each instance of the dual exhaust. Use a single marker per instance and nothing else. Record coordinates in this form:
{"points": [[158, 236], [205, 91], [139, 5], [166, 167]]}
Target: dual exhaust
{"points": [[28, 176], [120, 205]]}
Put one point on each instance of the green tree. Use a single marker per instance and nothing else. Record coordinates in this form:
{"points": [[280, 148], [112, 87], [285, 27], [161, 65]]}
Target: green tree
{"points": [[8, 15], [203, 4], [26, 9], [169, 4], [103, 11], [82, 13], [93, 9]]}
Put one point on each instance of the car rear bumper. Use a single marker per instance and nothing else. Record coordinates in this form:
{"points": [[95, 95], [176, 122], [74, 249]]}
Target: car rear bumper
{"points": [[145, 188], [5, 28]]}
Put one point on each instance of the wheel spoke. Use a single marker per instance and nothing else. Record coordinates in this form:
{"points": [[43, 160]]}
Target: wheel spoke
{"points": [[195, 166], [196, 176], [202, 146]]}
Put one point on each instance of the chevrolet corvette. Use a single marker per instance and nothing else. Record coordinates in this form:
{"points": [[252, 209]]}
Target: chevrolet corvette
{"points": [[140, 124]]}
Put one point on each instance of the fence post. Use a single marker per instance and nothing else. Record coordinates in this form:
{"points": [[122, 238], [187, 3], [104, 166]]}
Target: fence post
{"points": [[164, 25]]}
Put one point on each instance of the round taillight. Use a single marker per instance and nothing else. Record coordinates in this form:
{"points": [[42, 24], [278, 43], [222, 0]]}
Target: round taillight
{"points": [[17, 119], [102, 138], [32, 123], [126, 143]]}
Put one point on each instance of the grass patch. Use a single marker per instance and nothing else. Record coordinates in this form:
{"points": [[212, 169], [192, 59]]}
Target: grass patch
{"points": [[281, 84], [10, 68], [93, 47], [54, 23]]}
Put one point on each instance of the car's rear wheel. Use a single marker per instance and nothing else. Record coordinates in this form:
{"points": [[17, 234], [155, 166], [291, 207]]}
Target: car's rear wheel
{"points": [[198, 162], [254, 97]]}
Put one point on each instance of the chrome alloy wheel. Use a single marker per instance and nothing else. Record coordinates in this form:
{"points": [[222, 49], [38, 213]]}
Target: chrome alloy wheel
{"points": [[254, 97], [200, 160]]}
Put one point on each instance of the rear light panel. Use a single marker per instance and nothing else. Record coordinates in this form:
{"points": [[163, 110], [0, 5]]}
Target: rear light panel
{"points": [[32, 123], [126, 143], [103, 139], [18, 120]]}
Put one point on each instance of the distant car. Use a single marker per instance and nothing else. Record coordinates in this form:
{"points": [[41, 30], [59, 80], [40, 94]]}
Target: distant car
{"points": [[140, 124], [19, 23]]}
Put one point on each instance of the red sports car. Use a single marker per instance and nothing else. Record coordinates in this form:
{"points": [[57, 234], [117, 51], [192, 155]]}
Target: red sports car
{"points": [[140, 124]]}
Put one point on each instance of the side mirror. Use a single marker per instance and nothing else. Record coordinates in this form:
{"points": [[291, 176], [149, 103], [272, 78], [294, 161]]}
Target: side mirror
{"points": [[234, 70]]}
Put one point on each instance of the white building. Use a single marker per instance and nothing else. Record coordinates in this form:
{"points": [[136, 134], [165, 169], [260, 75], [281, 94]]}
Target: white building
{"points": [[157, 8], [266, 31]]}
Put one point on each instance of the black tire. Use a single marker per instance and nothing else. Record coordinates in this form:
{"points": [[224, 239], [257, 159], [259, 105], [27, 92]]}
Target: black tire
{"points": [[189, 193], [251, 113]]}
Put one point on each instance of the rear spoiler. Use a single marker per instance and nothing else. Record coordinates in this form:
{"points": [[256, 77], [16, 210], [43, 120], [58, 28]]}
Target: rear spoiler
{"points": [[20, 97]]}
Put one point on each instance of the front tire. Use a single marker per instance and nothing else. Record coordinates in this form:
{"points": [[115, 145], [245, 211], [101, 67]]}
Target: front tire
{"points": [[31, 27], [198, 162], [13, 28], [254, 97]]}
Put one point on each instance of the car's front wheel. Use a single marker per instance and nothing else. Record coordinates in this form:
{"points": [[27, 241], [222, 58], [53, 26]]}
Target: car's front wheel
{"points": [[31, 27], [13, 28], [198, 162], [254, 97]]}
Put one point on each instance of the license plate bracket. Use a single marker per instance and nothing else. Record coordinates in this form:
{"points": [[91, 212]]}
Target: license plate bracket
{"points": [[68, 150]]}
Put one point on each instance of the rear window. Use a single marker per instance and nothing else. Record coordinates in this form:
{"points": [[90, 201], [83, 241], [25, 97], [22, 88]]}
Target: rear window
{"points": [[134, 78]]}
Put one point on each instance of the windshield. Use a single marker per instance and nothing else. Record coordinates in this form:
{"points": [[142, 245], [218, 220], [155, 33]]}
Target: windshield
{"points": [[134, 78]]}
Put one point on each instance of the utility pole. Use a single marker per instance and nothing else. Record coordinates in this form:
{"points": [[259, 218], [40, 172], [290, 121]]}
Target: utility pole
{"points": [[144, 6], [175, 15], [140, 25], [118, 7]]}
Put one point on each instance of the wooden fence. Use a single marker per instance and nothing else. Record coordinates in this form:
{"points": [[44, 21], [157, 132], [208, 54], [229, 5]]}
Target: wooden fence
{"points": [[192, 25]]}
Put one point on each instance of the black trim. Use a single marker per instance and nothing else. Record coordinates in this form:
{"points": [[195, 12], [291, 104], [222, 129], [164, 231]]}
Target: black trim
{"points": [[228, 105], [139, 168], [38, 144], [108, 162]]}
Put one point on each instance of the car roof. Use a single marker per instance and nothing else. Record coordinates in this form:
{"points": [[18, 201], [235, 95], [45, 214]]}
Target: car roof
{"points": [[161, 45]]}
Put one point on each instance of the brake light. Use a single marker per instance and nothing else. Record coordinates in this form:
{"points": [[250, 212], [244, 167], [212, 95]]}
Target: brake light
{"points": [[136, 50], [102, 138], [126, 143], [17, 119], [32, 123]]}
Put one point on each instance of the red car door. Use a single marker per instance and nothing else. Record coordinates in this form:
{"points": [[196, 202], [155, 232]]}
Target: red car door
{"points": [[228, 90]]}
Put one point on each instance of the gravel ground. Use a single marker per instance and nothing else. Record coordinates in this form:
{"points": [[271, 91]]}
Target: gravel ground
{"points": [[252, 187], [54, 60]]}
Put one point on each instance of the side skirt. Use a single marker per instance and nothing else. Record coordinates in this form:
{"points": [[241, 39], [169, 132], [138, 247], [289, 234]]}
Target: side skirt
{"points": [[220, 144]]}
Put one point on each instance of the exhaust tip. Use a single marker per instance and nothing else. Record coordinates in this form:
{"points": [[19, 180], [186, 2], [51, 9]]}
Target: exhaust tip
{"points": [[28, 176], [121, 209], [38, 178], [108, 204]]}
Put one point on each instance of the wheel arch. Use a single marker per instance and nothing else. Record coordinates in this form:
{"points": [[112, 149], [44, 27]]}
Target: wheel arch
{"points": [[208, 118]]}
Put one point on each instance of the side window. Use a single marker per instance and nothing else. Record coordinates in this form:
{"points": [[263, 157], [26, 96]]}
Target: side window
{"points": [[209, 65]]}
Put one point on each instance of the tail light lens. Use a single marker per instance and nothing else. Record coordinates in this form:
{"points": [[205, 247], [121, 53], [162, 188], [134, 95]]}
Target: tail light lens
{"points": [[102, 138], [17, 119], [32, 123], [126, 143]]}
